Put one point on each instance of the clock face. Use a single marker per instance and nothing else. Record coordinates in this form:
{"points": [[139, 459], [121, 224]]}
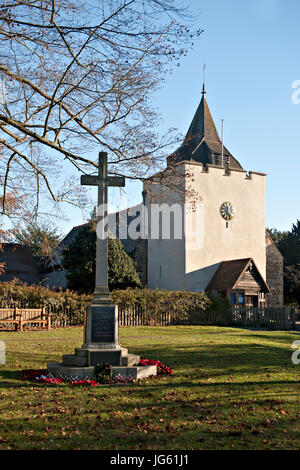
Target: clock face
{"points": [[227, 210]]}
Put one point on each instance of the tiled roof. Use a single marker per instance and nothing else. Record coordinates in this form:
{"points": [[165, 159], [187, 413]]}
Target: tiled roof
{"points": [[202, 142], [230, 272]]}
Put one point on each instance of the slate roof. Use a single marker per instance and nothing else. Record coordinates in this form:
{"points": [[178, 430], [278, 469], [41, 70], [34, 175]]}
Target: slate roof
{"points": [[229, 274], [19, 263], [115, 221], [202, 142]]}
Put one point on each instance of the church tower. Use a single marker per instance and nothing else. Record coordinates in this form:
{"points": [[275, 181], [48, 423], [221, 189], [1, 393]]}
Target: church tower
{"points": [[227, 252]]}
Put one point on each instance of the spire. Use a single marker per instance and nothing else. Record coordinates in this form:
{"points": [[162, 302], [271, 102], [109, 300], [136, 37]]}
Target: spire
{"points": [[202, 142], [203, 125]]}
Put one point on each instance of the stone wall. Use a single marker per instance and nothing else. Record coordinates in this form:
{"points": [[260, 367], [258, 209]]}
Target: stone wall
{"points": [[274, 279]]}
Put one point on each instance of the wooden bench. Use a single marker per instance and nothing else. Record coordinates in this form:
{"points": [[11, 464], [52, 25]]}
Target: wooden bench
{"points": [[21, 316]]}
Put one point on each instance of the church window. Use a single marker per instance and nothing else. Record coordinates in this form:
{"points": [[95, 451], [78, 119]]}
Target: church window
{"points": [[232, 298]]}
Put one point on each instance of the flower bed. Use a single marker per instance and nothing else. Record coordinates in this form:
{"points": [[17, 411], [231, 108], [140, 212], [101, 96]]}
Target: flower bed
{"points": [[43, 376]]}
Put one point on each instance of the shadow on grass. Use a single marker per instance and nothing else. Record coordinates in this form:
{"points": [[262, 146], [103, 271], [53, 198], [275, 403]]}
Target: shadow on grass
{"points": [[281, 335], [197, 362], [221, 359], [12, 378], [9, 375], [199, 421]]}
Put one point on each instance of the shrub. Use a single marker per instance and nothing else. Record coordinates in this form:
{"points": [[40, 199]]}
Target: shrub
{"points": [[136, 306], [169, 307], [66, 307], [79, 259]]}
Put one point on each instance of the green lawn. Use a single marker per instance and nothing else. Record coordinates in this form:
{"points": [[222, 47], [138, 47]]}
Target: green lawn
{"points": [[231, 389]]}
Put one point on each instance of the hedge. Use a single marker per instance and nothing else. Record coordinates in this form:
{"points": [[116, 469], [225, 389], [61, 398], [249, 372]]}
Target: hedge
{"points": [[136, 306], [66, 307], [159, 307]]}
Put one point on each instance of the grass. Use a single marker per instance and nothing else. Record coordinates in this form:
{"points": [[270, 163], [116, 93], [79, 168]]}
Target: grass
{"points": [[232, 389]]}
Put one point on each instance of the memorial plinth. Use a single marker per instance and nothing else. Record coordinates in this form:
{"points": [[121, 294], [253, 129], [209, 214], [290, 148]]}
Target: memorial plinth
{"points": [[101, 333], [101, 346]]}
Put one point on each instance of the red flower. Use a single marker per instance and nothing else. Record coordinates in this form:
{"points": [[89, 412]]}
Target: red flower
{"points": [[151, 362], [43, 376]]}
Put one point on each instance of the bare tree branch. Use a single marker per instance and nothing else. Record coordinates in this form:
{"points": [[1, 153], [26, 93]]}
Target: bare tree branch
{"points": [[79, 77]]}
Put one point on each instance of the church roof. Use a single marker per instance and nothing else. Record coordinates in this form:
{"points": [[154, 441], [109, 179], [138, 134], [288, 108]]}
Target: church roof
{"points": [[202, 142], [230, 273]]}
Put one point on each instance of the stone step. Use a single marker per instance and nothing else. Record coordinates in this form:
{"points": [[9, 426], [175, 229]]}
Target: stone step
{"points": [[141, 372], [72, 360], [57, 369], [81, 352], [80, 359], [130, 360], [84, 351]]}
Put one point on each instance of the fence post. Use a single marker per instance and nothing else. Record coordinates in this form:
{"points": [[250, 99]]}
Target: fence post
{"points": [[15, 317], [283, 316], [293, 318], [49, 321]]}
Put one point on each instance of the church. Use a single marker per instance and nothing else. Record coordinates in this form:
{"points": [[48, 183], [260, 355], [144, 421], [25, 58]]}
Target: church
{"points": [[230, 257], [233, 254]]}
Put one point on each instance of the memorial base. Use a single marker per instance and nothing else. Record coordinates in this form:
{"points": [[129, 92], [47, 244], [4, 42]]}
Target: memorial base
{"points": [[101, 346], [136, 372], [82, 364]]}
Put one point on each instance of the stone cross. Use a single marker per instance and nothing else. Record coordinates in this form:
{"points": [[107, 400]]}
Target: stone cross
{"points": [[101, 330], [102, 180]]}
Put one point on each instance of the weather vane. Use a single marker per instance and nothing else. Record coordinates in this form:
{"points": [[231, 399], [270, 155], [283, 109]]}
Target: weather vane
{"points": [[203, 89]]}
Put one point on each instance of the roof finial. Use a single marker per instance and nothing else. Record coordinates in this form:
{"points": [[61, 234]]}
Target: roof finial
{"points": [[203, 89]]}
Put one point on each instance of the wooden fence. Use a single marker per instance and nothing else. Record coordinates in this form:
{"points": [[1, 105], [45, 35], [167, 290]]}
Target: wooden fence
{"points": [[137, 316], [276, 318], [269, 317]]}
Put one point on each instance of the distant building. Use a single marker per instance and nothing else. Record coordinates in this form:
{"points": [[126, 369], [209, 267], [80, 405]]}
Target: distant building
{"points": [[19, 263]]}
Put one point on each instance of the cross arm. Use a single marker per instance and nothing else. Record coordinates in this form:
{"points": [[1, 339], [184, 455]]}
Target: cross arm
{"points": [[93, 180]]}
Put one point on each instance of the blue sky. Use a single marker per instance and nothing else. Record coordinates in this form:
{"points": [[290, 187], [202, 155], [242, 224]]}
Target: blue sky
{"points": [[251, 51]]}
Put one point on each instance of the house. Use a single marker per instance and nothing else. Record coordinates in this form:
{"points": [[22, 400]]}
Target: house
{"points": [[19, 263]]}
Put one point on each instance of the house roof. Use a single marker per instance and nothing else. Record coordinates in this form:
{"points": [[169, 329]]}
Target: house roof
{"points": [[202, 142], [229, 273], [19, 263]]}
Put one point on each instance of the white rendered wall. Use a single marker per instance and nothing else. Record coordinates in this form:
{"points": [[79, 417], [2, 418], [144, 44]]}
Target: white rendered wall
{"points": [[166, 258], [186, 265], [245, 235]]}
